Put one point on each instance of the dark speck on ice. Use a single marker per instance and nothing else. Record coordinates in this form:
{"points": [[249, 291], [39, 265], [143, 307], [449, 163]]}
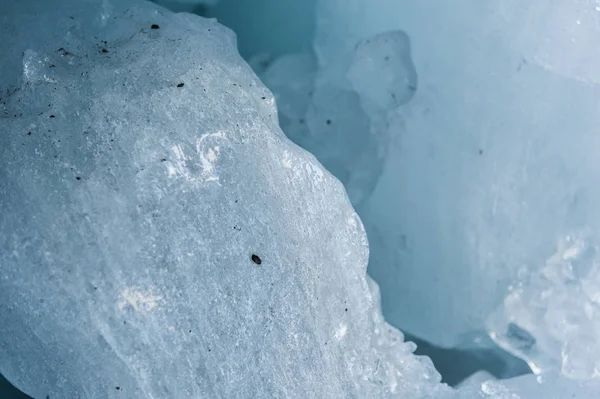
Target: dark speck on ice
{"points": [[256, 259]]}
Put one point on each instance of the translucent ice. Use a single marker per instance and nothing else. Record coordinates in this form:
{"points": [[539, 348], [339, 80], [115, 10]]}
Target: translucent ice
{"points": [[268, 28], [529, 387], [383, 72], [197, 6], [160, 237], [491, 162], [341, 112], [551, 315]]}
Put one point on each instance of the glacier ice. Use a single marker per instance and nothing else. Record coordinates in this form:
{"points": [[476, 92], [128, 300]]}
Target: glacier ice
{"points": [[382, 71], [529, 387], [490, 163], [267, 28], [495, 155], [160, 237], [550, 316], [336, 112]]}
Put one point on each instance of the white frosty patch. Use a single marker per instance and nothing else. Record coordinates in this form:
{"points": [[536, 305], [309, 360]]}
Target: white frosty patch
{"points": [[207, 157], [341, 331], [177, 166], [138, 300], [494, 389], [315, 172], [287, 160]]}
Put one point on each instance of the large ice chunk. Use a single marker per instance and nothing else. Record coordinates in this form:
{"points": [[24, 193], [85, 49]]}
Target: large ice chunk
{"points": [[159, 236]]}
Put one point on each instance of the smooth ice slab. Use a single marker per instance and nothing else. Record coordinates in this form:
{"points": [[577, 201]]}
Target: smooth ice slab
{"points": [[491, 162], [160, 236]]}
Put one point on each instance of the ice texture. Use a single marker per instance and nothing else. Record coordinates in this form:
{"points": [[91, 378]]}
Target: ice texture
{"points": [[338, 114], [551, 316], [382, 71], [492, 161], [160, 237], [488, 162], [529, 387]]}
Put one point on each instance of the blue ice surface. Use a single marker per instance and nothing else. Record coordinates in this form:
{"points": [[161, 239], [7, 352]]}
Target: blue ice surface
{"points": [[161, 237], [485, 200]]}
